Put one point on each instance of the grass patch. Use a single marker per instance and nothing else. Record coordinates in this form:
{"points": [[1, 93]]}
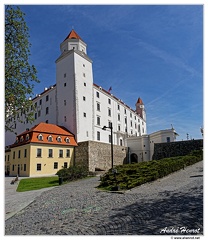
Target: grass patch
{"points": [[29, 184], [131, 175]]}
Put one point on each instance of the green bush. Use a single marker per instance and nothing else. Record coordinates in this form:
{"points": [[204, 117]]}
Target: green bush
{"points": [[132, 175], [73, 173]]}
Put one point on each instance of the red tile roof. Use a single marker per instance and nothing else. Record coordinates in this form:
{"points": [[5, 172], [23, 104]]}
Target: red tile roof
{"points": [[140, 101], [73, 35], [46, 129]]}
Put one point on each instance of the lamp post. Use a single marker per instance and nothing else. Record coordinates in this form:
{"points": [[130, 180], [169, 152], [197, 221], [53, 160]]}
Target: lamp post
{"points": [[111, 128]]}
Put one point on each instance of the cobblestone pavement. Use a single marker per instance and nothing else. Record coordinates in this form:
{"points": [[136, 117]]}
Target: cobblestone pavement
{"points": [[78, 208]]}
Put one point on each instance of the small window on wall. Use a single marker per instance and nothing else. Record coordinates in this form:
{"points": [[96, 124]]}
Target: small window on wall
{"points": [[60, 153], [67, 140], [50, 139], [65, 164], [38, 166], [168, 139], [98, 136], [68, 153], [50, 153], [39, 152], [40, 137], [55, 165], [58, 139]]}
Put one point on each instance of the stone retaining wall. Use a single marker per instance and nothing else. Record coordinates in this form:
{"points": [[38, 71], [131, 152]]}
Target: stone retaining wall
{"points": [[173, 149], [96, 155]]}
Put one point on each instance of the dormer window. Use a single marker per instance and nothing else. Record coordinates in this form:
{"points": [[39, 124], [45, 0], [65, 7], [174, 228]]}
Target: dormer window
{"points": [[27, 137], [50, 139], [67, 140], [40, 137], [17, 140], [58, 139], [21, 139]]}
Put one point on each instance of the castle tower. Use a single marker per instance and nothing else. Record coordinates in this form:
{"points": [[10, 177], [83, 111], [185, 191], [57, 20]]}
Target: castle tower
{"points": [[140, 109], [74, 86]]}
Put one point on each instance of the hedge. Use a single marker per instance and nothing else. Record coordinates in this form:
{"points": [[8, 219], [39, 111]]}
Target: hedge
{"points": [[131, 175]]}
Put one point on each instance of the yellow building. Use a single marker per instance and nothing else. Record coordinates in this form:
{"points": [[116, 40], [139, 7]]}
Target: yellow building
{"points": [[40, 151]]}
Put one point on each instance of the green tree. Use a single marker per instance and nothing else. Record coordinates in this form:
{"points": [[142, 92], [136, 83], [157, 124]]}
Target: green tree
{"points": [[19, 74]]}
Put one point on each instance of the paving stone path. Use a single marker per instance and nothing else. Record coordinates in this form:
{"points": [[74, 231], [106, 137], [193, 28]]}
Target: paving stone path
{"points": [[78, 208]]}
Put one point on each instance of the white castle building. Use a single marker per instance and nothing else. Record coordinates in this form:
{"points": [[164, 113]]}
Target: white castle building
{"points": [[80, 105]]}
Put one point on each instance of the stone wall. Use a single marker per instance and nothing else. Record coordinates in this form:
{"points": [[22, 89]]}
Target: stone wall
{"points": [[173, 149], [96, 155]]}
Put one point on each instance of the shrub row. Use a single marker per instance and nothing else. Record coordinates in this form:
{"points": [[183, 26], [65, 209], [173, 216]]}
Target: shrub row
{"points": [[73, 173], [132, 175]]}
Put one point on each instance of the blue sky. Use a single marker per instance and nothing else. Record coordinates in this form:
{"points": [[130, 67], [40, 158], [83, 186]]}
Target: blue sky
{"points": [[150, 51]]}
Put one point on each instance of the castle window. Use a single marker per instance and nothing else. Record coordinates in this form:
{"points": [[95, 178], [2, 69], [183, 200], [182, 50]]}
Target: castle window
{"points": [[97, 94], [85, 84], [39, 152], [65, 164], [168, 139], [109, 112], [64, 84], [50, 139], [64, 75], [65, 119], [121, 142], [98, 121], [67, 153], [64, 102], [55, 165], [109, 101], [58, 139], [40, 137], [131, 115], [84, 98], [25, 153], [40, 102], [67, 140], [118, 107], [39, 113], [35, 115], [83, 65], [60, 153], [84, 114], [46, 121], [98, 136], [47, 110], [47, 98], [98, 106], [119, 118], [38, 166], [84, 75], [50, 153]]}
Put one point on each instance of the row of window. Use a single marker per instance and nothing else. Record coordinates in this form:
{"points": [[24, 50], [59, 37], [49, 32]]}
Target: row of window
{"points": [[38, 114], [23, 167], [39, 153], [50, 153], [119, 126], [50, 138]]}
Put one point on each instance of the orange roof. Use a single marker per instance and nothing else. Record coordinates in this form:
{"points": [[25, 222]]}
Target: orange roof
{"points": [[46, 130], [140, 101], [73, 35]]}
